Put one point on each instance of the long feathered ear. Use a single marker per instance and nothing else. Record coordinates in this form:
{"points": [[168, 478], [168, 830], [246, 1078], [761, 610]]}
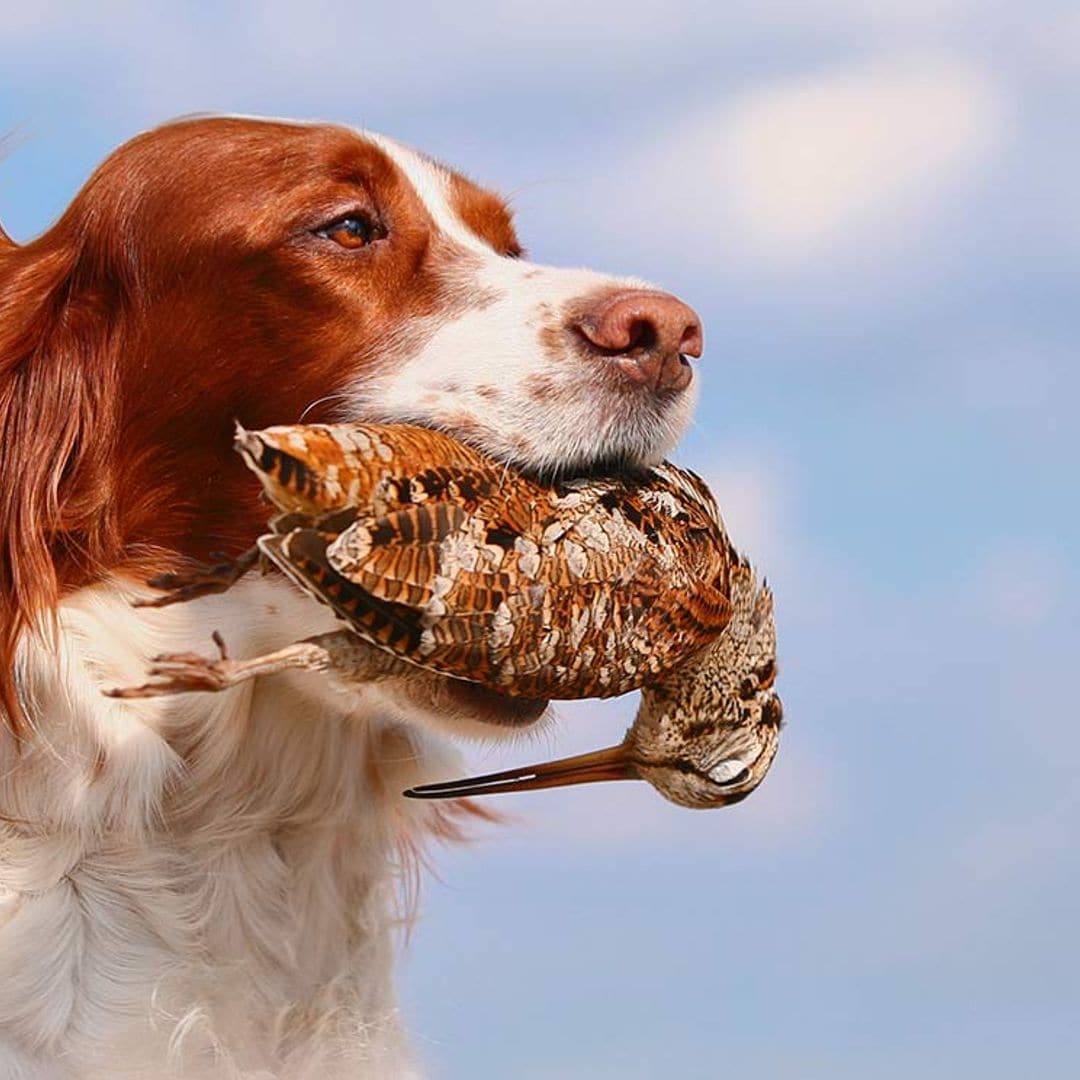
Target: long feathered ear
{"points": [[57, 421]]}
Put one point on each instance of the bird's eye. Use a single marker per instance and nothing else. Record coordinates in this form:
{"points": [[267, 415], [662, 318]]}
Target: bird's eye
{"points": [[729, 772], [352, 231]]}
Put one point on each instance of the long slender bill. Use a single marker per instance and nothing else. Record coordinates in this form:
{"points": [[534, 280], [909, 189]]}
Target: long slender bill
{"points": [[613, 763]]}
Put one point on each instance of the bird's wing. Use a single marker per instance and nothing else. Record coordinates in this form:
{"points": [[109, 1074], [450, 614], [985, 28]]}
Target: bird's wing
{"points": [[446, 559], [314, 469], [593, 606], [458, 647], [301, 556], [406, 555]]}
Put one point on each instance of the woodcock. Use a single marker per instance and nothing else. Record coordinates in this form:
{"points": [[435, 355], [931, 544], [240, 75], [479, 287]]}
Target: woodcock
{"points": [[445, 559]]}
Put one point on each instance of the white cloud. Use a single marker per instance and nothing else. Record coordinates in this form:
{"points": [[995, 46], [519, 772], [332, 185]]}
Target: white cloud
{"points": [[760, 495], [808, 168], [752, 496]]}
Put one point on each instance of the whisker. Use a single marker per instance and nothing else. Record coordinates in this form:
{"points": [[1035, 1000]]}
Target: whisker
{"points": [[340, 396]]}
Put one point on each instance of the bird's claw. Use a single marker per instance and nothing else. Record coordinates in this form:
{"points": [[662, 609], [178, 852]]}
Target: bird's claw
{"points": [[181, 586], [180, 673]]}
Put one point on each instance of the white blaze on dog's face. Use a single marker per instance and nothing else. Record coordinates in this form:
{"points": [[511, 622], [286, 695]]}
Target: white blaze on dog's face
{"points": [[551, 369]]}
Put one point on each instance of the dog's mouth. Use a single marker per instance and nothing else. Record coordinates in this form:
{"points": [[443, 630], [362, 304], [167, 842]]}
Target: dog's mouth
{"points": [[623, 465]]}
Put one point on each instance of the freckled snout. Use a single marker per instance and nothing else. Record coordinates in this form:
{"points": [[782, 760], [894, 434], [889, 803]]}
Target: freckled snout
{"points": [[646, 335]]}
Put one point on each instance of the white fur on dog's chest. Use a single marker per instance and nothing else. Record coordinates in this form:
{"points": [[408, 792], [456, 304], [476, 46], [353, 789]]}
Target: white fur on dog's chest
{"points": [[213, 890]]}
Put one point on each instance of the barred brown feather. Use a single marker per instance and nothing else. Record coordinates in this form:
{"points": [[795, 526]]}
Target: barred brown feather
{"points": [[588, 588]]}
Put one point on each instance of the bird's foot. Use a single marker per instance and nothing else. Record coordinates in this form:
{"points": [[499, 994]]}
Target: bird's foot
{"points": [[179, 673], [205, 580]]}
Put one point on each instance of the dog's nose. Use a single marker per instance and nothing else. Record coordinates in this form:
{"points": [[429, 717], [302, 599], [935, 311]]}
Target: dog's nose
{"points": [[647, 334]]}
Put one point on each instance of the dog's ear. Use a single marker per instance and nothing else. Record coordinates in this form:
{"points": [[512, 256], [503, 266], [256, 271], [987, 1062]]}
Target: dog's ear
{"points": [[57, 427]]}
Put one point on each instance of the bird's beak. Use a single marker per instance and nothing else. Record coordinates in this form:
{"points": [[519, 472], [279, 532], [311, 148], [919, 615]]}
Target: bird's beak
{"points": [[614, 763]]}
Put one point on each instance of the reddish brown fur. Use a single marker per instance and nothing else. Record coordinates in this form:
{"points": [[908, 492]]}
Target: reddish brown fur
{"points": [[182, 290], [486, 214]]}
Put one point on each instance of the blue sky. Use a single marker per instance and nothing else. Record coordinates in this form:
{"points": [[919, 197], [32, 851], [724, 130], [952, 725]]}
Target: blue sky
{"points": [[872, 204]]}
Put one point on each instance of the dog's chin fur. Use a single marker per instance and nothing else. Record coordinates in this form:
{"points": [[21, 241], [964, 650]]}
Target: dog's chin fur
{"points": [[553, 447], [210, 885]]}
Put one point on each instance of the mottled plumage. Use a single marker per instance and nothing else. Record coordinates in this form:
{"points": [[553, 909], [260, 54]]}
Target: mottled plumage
{"points": [[582, 589]]}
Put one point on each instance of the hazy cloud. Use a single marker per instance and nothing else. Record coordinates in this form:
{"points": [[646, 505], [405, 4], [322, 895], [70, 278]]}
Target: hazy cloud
{"points": [[804, 169]]}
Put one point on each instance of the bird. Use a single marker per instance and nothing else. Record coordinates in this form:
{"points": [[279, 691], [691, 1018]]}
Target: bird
{"points": [[439, 557]]}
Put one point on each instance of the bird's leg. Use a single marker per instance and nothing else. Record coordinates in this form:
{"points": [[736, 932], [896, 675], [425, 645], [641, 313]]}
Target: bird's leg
{"points": [[201, 581], [341, 652]]}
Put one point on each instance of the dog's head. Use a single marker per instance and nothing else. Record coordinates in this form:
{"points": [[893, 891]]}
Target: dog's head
{"points": [[283, 268], [229, 269]]}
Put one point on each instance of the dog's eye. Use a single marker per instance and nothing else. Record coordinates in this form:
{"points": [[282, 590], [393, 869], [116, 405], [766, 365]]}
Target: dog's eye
{"points": [[352, 231]]}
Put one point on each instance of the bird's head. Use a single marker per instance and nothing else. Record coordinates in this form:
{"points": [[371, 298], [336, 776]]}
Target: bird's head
{"points": [[707, 735]]}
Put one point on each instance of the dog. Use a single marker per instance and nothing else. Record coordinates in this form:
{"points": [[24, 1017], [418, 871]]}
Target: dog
{"points": [[209, 885]]}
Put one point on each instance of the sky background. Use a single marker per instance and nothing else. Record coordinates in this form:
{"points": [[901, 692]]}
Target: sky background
{"points": [[872, 204]]}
